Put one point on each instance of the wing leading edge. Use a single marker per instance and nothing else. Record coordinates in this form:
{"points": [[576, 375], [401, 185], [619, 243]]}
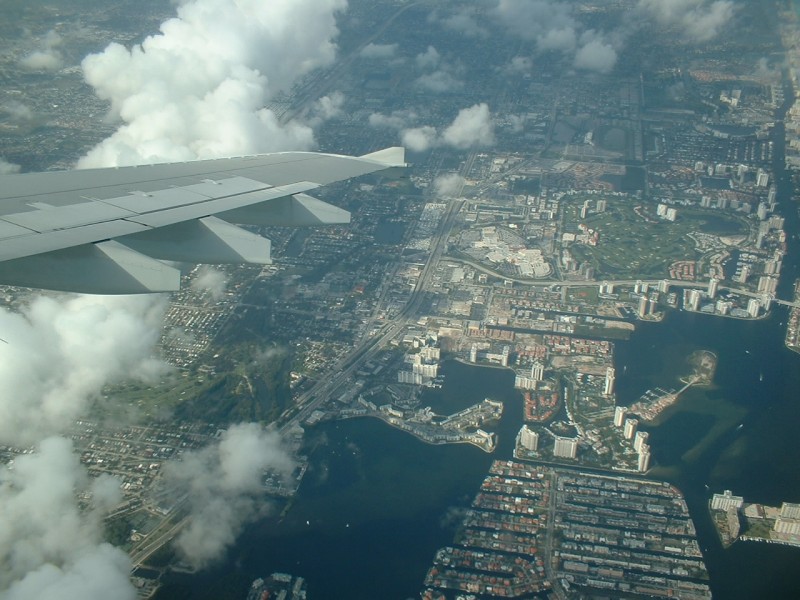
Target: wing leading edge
{"points": [[106, 231]]}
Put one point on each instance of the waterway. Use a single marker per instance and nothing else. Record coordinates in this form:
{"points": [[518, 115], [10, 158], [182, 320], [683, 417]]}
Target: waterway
{"points": [[377, 503]]}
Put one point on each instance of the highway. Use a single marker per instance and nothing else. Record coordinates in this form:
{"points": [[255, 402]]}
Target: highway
{"points": [[325, 388]]}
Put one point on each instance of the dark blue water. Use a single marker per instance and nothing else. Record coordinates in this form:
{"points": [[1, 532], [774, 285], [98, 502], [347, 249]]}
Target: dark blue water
{"points": [[377, 503]]}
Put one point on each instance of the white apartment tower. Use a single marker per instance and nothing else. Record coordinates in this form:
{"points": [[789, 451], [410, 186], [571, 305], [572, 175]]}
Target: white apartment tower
{"points": [[608, 388], [630, 428], [528, 439], [565, 447]]}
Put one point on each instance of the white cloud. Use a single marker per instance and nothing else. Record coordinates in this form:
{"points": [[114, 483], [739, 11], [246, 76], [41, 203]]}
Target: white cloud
{"points": [[211, 280], [449, 185], [7, 168], [62, 351], [439, 82], [516, 123], [223, 483], [47, 57], [18, 111], [698, 20], [197, 89], [595, 54], [547, 22], [465, 22], [329, 107], [419, 139], [428, 59], [49, 547], [472, 127], [399, 119], [379, 51]]}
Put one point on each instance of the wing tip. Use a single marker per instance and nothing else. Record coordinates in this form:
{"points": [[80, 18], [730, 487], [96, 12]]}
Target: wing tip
{"points": [[391, 157]]}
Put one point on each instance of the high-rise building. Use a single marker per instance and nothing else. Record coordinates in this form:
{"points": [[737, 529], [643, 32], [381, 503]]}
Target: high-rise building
{"points": [[691, 300], [713, 286], [644, 459], [606, 288], [762, 179], [639, 440], [473, 353], [767, 284], [643, 307], [753, 306], [608, 388], [528, 439], [763, 211], [790, 510], [537, 371], [619, 415], [504, 356], [744, 274], [788, 526], [630, 428], [663, 286], [565, 447], [725, 501]]}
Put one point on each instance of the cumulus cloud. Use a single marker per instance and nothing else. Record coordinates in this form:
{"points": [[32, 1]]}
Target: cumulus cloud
{"points": [[546, 22], [197, 89], [398, 119], [698, 20], [223, 487], [47, 57], [516, 123], [465, 22], [428, 59], [595, 54], [419, 139], [449, 185], [211, 280], [62, 351], [329, 107], [472, 127], [439, 82], [379, 50], [49, 547], [7, 168], [17, 111], [551, 25]]}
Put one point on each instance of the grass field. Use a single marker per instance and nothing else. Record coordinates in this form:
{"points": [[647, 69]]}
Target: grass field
{"points": [[631, 246]]}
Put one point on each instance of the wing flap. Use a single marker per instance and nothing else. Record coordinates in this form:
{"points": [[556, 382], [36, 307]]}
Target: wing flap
{"points": [[104, 268], [207, 240], [297, 210]]}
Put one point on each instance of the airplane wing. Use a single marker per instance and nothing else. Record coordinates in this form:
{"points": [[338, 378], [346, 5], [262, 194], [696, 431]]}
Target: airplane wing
{"points": [[106, 231]]}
